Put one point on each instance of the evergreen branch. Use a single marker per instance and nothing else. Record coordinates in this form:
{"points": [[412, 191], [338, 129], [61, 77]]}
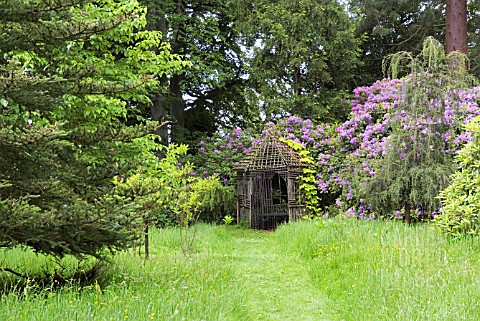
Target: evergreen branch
{"points": [[13, 11], [6, 269]]}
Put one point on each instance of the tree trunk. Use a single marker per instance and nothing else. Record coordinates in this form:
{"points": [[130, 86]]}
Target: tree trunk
{"points": [[159, 108], [297, 75], [158, 112], [456, 26], [177, 107], [146, 241]]}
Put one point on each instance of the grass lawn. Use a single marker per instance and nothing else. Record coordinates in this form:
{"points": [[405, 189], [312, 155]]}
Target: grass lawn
{"points": [[324, 270]]}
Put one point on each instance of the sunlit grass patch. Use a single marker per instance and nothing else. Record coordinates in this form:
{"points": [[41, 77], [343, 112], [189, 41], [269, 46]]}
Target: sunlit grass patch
{"points": [[388, 270]]}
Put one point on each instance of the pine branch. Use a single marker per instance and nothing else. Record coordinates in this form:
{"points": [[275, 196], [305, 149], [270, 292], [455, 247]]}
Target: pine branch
{"points": [[5, 269]]}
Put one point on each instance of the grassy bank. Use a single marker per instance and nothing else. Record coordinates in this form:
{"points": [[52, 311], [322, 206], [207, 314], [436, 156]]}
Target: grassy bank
{"points": [[325, 270]]}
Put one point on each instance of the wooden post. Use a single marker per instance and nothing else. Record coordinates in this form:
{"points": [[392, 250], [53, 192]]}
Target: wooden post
{"points": [[407, 214], [238, 209], [146, 241]]}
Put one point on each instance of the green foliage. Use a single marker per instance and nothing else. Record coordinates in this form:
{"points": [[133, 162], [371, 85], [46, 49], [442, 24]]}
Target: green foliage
{"points": [[164, 217], [210, 91], [473, 24], [251, 60], [295, 66], [391, 26], [161, 186], [461, 202], [216, 157], [228, 220], [308, 183], [70, 75]]}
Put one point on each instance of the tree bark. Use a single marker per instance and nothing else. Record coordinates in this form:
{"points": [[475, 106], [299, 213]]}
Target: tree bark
{"points": [[158, 112], [159, 107], [168, 105], [177, 108], [456, 26]]}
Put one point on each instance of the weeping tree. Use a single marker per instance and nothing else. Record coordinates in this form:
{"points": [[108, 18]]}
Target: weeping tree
{"points": [[418, 155]]}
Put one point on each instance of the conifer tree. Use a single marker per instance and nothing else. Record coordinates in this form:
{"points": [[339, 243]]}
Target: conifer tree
{"points": [[71, 73]]}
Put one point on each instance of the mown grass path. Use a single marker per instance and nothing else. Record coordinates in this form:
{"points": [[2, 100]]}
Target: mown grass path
{"points": [[278, 284]]}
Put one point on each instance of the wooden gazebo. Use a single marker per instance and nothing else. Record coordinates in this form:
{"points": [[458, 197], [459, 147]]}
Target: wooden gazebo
{"points": [[268, 181]]}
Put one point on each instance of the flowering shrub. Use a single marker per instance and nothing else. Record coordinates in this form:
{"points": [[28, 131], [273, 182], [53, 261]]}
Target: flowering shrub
{"points": [[397, 147], [400, 140], [215, 158], [392, 157]]}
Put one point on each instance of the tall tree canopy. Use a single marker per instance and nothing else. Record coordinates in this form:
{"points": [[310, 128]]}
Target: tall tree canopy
{"points": [[252, 60], [390, 26], [302, 54], [209, 92], [71, 72], [473, 30]]}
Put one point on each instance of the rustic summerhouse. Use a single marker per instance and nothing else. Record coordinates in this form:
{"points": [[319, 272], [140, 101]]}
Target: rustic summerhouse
{"points": [[268, 181]]}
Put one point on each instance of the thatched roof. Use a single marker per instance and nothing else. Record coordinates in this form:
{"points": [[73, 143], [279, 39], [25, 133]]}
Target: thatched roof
{"points": [[269, 155]]}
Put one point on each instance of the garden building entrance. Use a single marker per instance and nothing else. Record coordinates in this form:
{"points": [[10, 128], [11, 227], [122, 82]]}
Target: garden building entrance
{"points": [[268, 181]]}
